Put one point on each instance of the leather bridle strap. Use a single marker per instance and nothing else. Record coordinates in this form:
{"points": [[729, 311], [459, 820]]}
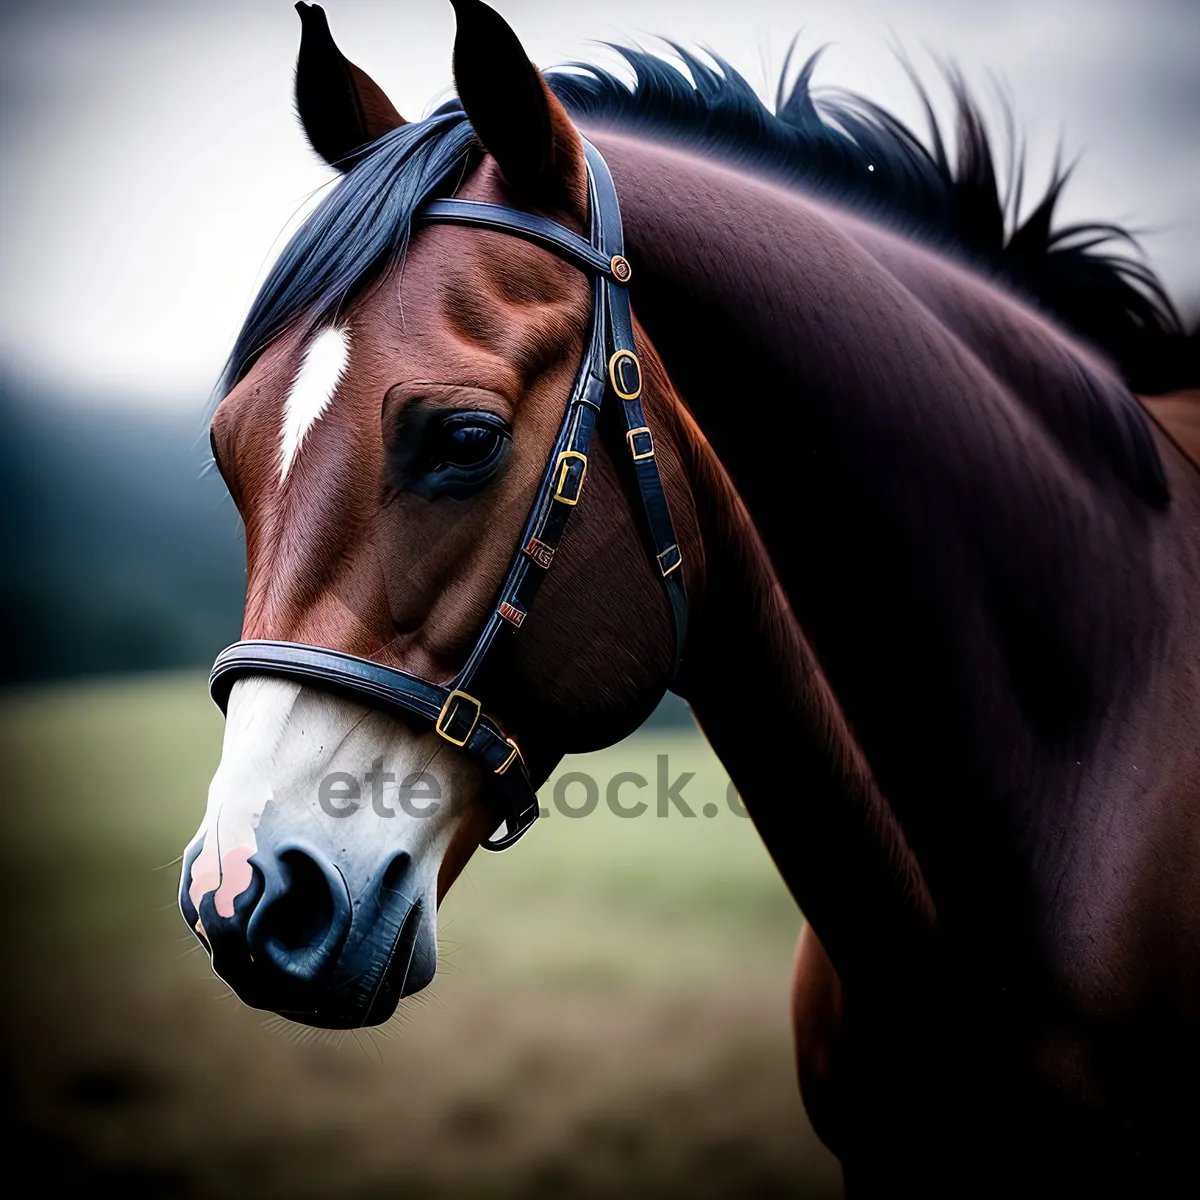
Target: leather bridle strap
{"points": [[625, 380], [456, 717], [550, 235], [609, 363]]}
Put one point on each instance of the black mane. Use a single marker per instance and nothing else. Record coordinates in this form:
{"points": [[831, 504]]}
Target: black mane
{"points": [[841, 147], [848, 149]]}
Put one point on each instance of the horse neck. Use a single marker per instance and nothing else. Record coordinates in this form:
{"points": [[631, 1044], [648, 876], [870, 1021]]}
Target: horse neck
{"points": [[760, 697], [969, 578]]}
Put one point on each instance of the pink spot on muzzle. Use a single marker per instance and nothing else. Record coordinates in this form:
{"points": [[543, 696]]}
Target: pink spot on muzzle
{"points": [[236, 874], [228, 877], [206, 873]]}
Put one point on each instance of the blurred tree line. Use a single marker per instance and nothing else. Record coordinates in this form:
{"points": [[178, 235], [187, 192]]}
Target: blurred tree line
{"points": [[116, 552]]}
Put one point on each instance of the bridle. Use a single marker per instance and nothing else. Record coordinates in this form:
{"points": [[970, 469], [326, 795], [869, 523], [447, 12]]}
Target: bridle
{"points": [[610, 366]]}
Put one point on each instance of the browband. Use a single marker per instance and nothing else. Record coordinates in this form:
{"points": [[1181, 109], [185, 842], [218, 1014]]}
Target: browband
{"points": [[610, 365], [550, 235]]}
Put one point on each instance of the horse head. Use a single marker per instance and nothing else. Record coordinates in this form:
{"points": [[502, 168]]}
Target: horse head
{"points": [[394, 403]]}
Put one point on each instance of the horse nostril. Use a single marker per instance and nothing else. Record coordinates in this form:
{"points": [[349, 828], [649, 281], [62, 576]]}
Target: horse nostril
{"points": [[304, 915]]}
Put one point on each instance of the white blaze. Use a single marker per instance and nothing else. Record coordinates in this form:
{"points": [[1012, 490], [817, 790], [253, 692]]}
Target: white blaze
{"points": [[323, 367]]}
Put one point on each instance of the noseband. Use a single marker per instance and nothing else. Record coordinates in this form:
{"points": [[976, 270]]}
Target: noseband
{"points": [[610, 366]]}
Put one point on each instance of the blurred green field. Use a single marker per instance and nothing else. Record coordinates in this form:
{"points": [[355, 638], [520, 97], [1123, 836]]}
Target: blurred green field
{"points": [[610, 1013]]}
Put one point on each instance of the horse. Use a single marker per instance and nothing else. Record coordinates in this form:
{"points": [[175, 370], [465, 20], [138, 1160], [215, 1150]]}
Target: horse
{"points": [[938, 567]]}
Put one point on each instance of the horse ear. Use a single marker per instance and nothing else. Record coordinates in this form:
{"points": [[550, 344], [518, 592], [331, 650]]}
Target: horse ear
{"points": [[518, 119], [341, 107]]}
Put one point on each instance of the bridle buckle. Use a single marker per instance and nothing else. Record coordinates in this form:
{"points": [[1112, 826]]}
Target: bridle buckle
{"points": [[568, 486], [641, 443], [449, 714], [515, 753], [625, 374], [670, 560]]}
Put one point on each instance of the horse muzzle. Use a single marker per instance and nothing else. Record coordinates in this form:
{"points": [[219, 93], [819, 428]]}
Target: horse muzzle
{"points": [[296, 943], [312, 881]]}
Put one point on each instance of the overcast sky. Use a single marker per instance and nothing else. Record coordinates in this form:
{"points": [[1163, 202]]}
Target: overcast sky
{"points": [[152, 160]]}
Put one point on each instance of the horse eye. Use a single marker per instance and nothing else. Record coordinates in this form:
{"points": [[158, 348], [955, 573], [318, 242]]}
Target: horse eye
{"points": [[446, 454], [469, 445], [468, 440]]}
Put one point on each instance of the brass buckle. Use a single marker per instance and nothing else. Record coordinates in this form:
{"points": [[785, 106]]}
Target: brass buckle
{"points": [[447, 713], [515, 753], [633, 449], [616, 375], [675, 565], [564, 473]]}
